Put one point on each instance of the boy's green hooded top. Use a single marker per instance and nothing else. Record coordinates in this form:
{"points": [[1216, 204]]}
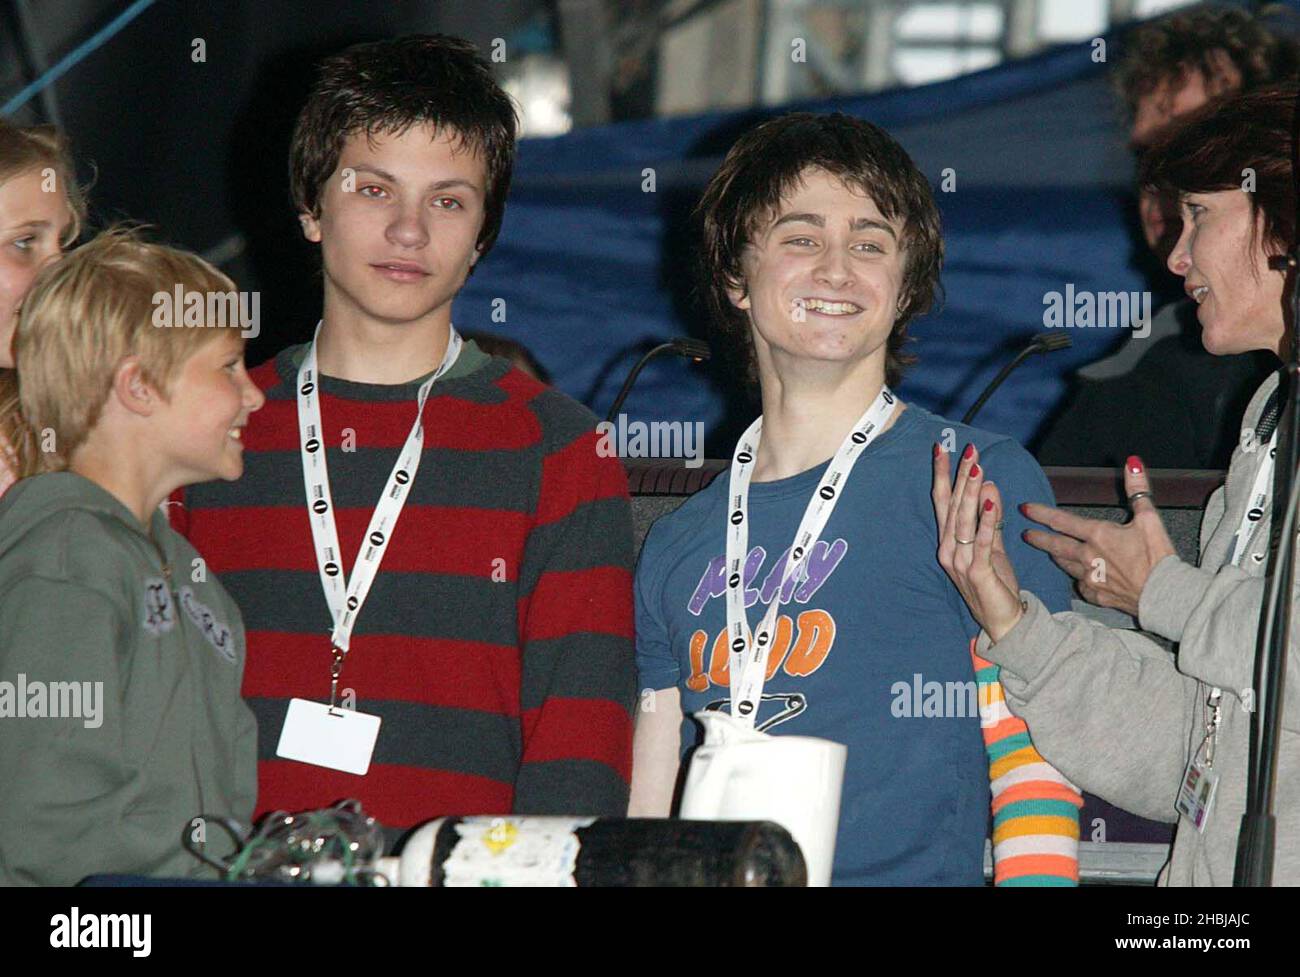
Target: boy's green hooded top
{"points": [[88, 597]]}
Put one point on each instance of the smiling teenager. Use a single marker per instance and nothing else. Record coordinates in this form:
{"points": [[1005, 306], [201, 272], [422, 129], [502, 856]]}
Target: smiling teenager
{"points": [[821, 244], [433, 559], [1163, 737], [96, 591]]}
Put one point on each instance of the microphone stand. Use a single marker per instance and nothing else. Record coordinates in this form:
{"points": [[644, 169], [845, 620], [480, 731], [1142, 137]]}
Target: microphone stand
{"points": [[1256, 842], [691, 349], [1044, 342]]}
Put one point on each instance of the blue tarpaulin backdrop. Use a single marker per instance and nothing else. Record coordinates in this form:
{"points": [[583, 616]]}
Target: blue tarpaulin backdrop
{"points": [[591, 267]]}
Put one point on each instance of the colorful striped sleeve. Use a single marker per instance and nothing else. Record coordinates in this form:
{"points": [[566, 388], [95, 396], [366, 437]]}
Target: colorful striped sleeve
{"points": [[1035, 809], [575, 615]]}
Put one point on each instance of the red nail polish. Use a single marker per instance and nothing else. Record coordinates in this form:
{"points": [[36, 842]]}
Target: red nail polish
{"points": [[937, 449], [988, 505], [1134, 464], [974, 470], [970, 450]]}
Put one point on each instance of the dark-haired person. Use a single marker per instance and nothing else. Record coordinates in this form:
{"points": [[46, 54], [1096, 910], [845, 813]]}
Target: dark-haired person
{"points": [[1161, 395], [1174, 65], [821, 244], [495, 642], [1110, 708]]}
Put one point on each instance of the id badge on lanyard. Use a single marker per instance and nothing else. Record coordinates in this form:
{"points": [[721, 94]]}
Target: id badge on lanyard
{"points": [[315, 733], [748, 651], [1200, 779]]}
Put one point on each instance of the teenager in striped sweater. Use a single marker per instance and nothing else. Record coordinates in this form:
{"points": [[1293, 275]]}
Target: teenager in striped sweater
{"points": [[821, 243], [495, 645]]}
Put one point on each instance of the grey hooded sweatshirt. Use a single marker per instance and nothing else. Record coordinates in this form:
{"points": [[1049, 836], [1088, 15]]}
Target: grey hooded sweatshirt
{"points": [[120, 714], [1121, 717]]}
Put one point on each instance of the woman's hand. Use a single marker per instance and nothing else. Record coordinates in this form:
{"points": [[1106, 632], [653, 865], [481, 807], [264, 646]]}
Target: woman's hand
{"points": [[1111, 562], [969, 515]]}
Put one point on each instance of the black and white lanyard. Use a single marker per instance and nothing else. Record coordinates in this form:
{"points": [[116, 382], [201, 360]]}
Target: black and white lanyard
{"points": [[1261, 491], [345, 596], [748, 652]]}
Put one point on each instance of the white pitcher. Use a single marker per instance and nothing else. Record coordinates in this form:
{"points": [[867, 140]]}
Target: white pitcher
{"points": [[740, 774]]}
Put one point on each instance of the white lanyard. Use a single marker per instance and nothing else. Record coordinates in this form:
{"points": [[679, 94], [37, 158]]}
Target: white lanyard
{"points": [[345, 599], [1259, 496], [1260, 491], [748, 652]]}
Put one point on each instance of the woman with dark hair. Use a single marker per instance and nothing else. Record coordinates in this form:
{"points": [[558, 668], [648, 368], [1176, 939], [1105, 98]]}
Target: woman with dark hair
{"points": [[1164, 737]]}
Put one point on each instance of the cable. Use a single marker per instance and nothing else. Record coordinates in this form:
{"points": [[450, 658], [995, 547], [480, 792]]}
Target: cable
{"points": [[76, 55]]}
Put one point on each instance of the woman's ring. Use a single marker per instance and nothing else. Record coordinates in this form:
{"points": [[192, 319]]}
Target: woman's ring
{"points": [[1138, 495], [964, 542]]}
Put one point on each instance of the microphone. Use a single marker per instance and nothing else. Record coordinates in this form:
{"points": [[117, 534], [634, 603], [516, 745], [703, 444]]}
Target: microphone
{"points": [[691, 349], [1044, 342]]}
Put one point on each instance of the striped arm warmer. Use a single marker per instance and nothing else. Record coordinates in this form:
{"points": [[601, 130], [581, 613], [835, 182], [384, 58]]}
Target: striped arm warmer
{"points": [[1035, 809]]}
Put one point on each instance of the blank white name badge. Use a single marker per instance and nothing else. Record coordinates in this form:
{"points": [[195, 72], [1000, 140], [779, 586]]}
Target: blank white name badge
{"points": [[343, 739]]}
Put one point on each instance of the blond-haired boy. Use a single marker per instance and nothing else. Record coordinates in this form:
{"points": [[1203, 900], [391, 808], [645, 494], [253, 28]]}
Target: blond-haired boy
{"points": [[120, 656]]}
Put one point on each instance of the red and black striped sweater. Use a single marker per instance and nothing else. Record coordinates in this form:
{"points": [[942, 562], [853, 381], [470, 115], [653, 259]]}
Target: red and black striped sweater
{"points": [[497, 640]]}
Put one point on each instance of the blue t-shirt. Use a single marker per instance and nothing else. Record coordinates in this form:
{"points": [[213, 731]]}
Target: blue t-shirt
{"points": [[874, 646]]}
